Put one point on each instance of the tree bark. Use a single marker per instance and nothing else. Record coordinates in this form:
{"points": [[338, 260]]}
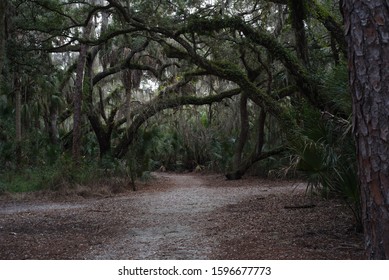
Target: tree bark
{"points": [[103, 132], [298, 15], [127, 83], [243, 135], [367, 33], [77, 98], [3, 5], [261, 132], [77, 103], [257, 153], [251, 160], [18, 120]]}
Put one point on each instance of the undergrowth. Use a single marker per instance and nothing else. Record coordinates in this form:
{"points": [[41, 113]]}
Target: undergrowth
{"points": [[63, 173]]}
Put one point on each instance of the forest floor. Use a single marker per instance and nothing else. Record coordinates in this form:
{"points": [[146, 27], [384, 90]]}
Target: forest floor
{"points": [[180, 216]]}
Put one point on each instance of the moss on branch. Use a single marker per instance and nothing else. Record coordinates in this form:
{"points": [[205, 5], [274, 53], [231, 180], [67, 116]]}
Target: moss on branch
{"points": [[306, 80], [159, 104]]}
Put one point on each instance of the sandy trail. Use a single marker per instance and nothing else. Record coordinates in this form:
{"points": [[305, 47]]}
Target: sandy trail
{"points": [[181, 216], [173, 224]]}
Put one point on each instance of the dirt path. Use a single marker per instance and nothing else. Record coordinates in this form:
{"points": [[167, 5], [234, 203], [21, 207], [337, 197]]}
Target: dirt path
{"points": [[182, 217], [164, 225], [174, 224]]}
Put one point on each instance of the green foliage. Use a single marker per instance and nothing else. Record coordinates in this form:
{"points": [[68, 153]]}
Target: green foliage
{"points": [[154, 147], [326, 160], [335, 85], [6, 132], [62, 173], [247, 45]]}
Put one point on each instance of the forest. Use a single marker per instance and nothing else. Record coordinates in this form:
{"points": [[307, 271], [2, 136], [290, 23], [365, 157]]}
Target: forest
{"points": [[115, 90]]}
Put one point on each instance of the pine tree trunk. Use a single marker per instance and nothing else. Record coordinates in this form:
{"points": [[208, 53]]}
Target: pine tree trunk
{"points": [[367, 31]]}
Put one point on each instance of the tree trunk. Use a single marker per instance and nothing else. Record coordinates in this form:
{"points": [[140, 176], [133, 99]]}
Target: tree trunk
{"points": [[261, 132], [257, 154], [298, 11], [77, 103], [53, 128], [367, 32], [127, 83], [2, 43], [244, 132], [77, 98], [103, 132], [18, 121]]}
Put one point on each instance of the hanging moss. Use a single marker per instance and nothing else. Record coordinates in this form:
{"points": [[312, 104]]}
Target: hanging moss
{"points": [[323, 15], [260, 37], [285, 116], [205, 25]]}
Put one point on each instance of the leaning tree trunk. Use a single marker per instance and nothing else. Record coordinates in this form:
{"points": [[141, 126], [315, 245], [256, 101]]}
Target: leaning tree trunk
{"points": [[367, 31]]}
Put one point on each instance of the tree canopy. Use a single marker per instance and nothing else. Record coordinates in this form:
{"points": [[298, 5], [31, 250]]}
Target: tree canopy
{"points": [[231, 86], [242, 77]]}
